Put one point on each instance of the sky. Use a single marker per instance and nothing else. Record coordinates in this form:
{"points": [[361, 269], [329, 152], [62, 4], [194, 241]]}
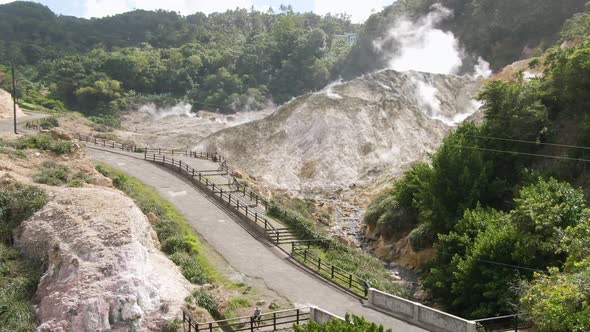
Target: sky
{"points": [[359, 10]]}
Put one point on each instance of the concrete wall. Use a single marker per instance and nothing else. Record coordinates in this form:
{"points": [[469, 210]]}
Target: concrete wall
{"points": [[321, 316], [418, 314]]}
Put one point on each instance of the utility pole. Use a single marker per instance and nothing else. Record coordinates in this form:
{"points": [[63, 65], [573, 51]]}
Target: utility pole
{"points": [[14, 96]]}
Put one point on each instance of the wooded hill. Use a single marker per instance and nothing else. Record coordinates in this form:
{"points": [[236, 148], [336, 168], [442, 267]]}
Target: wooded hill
{"points": [[237, 59]]}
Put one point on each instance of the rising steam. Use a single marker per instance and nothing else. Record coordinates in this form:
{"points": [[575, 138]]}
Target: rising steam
{"points": [[421, 46], [181, 109]]}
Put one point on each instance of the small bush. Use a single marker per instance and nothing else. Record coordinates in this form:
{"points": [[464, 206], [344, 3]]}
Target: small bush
{"points": [[55, 174], [13, 153], [172, 326], [175, 244], [48, 123], [202, 298], [52, 174], [17, 203], [350, 324], [421, 237], [190, 267]]}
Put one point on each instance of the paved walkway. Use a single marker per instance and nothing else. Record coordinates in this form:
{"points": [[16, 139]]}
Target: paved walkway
{"points": [[7, 125], [242, 250]]}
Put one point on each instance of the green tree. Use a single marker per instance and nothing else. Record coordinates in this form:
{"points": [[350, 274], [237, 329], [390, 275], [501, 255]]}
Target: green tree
{"points": [[350, 324]]}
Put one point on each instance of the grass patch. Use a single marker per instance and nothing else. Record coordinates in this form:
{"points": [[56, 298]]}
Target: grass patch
{"points": [[13, 153], [174, 232], [235, 303], [354, 261], [19, 278], [54, 174], [41, 142]]}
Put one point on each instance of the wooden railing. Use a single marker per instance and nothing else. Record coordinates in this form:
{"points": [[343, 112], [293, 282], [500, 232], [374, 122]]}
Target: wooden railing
{"points": [[230, 198], [340, 276], [271, 321], [109, 143]]}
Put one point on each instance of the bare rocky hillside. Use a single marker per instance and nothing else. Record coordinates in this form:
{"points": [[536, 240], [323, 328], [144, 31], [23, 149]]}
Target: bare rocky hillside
{"points": [[350, 134], [6, 106]]}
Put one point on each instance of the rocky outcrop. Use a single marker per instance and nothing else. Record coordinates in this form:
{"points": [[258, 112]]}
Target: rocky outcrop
{"points": [[104, 272], [6, 106], [350, 134]]}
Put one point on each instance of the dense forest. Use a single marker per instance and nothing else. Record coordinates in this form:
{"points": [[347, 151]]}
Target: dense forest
{"points": [[227, 61], [504, 202], [237, 60]]}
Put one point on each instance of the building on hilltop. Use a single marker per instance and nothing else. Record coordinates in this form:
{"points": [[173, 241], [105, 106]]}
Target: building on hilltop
{"points": [[350, 38]]}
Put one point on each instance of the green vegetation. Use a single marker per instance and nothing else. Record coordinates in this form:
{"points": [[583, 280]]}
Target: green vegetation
{"points": [[239, 59], [350, 324], [224, 61], [17, 203], [236, 303], [18, 282], [497, 211], [40, 142], [54, 174], [176, 237], [358, 262], [18, 276], [48, 123], [203, 298]]}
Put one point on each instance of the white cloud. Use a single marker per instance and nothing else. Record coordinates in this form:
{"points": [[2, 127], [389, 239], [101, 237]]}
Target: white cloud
{"points": [[359, 10], [100, 8]]}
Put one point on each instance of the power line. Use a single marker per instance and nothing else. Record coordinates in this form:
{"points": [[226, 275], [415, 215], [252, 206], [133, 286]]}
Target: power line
{"points": [[529, 142], [519, 153]]}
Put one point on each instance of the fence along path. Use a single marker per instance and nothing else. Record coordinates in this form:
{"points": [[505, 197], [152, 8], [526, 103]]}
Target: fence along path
{"points": [[272, 321], [274, 230]]}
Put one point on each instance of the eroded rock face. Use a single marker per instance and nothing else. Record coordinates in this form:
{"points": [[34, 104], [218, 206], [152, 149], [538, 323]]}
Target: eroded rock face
{"points": [[104, 272], [350, 134]]}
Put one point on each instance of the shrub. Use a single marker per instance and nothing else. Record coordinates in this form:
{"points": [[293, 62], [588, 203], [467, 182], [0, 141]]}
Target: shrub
{"points": [[203, 298], [350, 324], [175, 244], [190, 267], [43, 142], [17, 203], [52, 174], [55, 174], [48, 123], [421, 237], [172, 326]]}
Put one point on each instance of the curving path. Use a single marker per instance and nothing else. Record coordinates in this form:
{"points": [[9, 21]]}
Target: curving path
{"points": [[246, 253], [7, 125]]}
